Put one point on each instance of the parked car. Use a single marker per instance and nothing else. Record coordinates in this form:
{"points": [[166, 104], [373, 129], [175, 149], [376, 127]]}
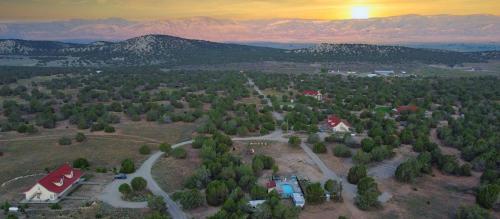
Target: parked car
{"points": [[121, 176]]}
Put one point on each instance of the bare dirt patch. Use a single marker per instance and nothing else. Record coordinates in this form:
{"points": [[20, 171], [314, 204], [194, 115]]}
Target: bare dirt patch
{"points": [[170, 173], [291, 161], [429, 197]]}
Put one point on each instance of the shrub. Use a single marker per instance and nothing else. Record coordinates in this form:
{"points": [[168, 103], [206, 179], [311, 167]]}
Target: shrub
{"points": [[342, 151], [294, 141], [356, 173], [472, 212], [125, 189], [65, 141], [179, 153], [314, 194], [144, 150], [127, 166], [109, 129], [80, 137], [81, 163], [319, 148], [138, 183]]}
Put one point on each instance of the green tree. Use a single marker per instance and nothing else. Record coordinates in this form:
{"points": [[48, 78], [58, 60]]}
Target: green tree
{"points": [[127, 166], [216, 193], [356, 173], [341, 150], [258, 192], [125, 189], [157, 203], [139, 184], [361, 157], [319, 148], [367, 144], [81, 163], [314, 193], [488, 195], [367, 194], [189, 199], [179, 153], [166, 148]]}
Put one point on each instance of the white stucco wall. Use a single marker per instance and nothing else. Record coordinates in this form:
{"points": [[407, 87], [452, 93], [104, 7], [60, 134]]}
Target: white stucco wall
{"points": [[44, 194], [341, 127]]}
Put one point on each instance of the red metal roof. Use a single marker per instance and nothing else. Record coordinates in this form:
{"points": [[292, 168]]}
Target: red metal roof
{"points": [[311, 92], [271, 184], [334, 121], [406, 108], [60, 179]]}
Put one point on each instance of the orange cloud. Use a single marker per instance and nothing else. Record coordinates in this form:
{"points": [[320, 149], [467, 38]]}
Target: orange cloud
{"points": [[236, 9]]}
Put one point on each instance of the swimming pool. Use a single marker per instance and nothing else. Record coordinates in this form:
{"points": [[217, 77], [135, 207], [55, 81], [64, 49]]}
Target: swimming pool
{"points": [[287, 189]]}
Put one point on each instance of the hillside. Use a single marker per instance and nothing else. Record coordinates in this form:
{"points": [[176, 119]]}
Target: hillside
{"points": [[173, 51]]}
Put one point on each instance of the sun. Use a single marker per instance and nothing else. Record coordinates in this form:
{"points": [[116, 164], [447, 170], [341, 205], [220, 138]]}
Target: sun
{"points": [[360, 12]]}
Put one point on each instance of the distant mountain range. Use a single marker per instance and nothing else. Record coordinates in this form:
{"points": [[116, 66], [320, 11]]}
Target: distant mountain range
{"points": [[388, 30], [166, 50]]}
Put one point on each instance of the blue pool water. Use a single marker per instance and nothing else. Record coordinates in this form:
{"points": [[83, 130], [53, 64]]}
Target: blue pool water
{"points": [[287, 189]]}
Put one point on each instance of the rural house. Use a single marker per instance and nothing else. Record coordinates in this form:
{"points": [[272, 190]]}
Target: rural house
{"points": [[312, 93], [337, 124], [54, 185], [409, 108]]}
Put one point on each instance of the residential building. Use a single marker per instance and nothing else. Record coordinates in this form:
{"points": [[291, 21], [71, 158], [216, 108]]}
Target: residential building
{"points": [[54, 185], [315, 94], [337, 124]]}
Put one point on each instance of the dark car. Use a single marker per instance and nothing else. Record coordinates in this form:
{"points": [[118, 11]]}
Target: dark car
{"points": [[121, 176]]}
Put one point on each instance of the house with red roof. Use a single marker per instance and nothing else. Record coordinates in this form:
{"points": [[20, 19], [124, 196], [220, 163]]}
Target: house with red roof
{"points": [[314, 94], [54, 185], [337, 124], [410, 108]]}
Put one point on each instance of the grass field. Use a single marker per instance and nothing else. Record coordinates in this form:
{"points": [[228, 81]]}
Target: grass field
{"points": [[32, 154], [383, 109]]}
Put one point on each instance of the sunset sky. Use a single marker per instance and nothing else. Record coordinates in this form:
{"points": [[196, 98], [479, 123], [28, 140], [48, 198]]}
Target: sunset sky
{"points": [[33, 10]]}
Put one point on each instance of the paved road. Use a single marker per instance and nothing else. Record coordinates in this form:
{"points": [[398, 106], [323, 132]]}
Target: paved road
{"points": [[112, 196]]}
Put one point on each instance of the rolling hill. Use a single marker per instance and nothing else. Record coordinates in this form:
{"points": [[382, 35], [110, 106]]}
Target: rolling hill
{"points": [[174, 51]]}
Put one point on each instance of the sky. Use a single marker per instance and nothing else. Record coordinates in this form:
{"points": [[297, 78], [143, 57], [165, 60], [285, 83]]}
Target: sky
{"points": [[45, 10]]}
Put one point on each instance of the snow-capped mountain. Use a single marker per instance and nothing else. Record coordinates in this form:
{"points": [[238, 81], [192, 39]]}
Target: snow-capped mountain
{"points": [[400, 29]]}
